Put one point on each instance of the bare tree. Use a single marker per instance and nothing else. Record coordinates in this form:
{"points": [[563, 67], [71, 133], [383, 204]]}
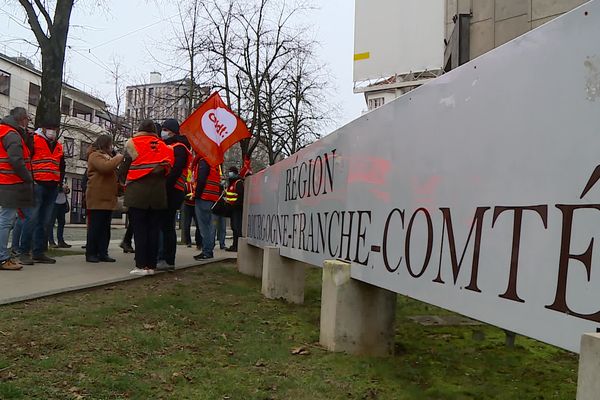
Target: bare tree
{"points": [[51, 34]]}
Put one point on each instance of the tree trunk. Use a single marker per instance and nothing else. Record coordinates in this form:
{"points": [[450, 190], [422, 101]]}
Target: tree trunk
{"points": [[48, 109]]}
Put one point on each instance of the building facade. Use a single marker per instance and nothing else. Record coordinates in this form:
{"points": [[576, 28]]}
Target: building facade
{"points": [[159, 100], [84, 118], [474, 27]]}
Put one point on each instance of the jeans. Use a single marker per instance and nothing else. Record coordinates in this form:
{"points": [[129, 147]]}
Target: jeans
{"points": [[34, 236], [146, 229], [98, 233], [221, 229], [16, 232], [207, 225], [59, 216], [7, 219]]}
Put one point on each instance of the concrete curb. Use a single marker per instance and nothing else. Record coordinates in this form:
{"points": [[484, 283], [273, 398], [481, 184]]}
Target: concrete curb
{"points": [[106, 282]]}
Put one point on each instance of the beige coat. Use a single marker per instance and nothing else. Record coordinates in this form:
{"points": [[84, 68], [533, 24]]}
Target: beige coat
{"points": [[102, 187]]}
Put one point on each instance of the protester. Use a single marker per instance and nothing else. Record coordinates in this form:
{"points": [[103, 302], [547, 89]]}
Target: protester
{"points": [[101, 198], [176, 188], [148, 160], [16, 179], [48, 165], [208, 191], [234, 196], [61, 208]]}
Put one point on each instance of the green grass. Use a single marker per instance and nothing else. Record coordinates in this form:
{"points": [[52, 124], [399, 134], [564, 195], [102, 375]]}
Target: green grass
{"points": [[207, 333]]}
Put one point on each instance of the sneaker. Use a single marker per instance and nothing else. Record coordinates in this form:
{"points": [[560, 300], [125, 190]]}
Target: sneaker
{"points": [[52, 245], [127, 248], [137, 271], [203, 256], [189, 245], [63, 245], [106, 259], [162, 265], [25, 259], [43, 259], [231, 249], [142, 272], [10, 265], [92, 259]]}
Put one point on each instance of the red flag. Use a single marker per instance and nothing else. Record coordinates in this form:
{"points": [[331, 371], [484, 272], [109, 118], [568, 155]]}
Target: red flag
{"points": [[246, 168], [213, 128]]}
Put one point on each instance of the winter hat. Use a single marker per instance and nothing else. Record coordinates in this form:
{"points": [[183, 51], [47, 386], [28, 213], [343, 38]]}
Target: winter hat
{"points": [[172, 125]]}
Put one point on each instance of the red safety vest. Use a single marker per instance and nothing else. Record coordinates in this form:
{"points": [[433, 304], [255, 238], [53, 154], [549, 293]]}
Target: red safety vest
{"points": [[212, 190], [181, 181], [231, 194], [46, 163], [7, 173], [152, 153]]}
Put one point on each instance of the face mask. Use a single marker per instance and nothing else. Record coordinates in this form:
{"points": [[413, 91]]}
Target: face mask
{"points": [[164, 135], [50, 134], [232, 175]]}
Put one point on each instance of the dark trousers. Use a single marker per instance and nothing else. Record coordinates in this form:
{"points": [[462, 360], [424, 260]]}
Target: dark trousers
{"points": [[59, 217], [189, 213], [236, 225], [98, 233], [128, 232], [169, 232], [146, 227]]}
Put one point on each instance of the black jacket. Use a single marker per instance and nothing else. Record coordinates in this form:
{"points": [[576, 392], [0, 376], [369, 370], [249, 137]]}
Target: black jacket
{"points": [[181, 159]]}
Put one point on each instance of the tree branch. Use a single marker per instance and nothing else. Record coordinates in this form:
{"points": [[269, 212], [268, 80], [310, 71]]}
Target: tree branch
{"points": [[34, 22]]}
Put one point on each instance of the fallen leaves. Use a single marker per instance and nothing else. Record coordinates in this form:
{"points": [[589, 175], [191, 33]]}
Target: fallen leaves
{"points": [[300, 351]]}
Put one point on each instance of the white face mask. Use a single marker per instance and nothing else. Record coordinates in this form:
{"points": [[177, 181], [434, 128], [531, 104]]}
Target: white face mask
{"points": [[164, 135], [50, 134]]}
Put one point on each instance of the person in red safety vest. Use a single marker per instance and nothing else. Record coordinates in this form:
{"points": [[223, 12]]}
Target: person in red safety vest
{"points": [[208, 191], [48, 167], [234, 196], [16, 180], [148, 161], [176, 189]]}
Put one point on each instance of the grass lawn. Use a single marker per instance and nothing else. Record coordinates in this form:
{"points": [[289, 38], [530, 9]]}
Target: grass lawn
{"points": [[207, 333]]}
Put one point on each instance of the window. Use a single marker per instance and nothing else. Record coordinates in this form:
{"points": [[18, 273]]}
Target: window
{"points": [[83, 150], [376, 102], [4, 83], [69, 144], [34, 94], [176, 113], [65, 106], [150, 92], [129, 96], [150, 113]]}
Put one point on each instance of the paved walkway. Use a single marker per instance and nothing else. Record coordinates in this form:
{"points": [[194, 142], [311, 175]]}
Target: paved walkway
{"points": [[73, 273]]}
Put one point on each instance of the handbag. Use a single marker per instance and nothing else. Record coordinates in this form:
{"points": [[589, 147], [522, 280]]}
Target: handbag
{"points": [[221, 207], [67, 207]]}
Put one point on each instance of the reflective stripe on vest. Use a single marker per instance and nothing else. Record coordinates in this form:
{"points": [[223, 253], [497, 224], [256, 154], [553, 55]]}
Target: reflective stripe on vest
{"points": [[45, 163], [152, 152], [212, 190], [231, 195], [7, 173], [180, 183]]}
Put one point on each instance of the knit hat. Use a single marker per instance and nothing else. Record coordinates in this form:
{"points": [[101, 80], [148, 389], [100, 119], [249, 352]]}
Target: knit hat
{"points": [[172, 125]]}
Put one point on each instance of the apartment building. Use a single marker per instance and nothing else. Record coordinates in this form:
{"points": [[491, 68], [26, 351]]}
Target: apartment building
{"points": [[84, 118]]}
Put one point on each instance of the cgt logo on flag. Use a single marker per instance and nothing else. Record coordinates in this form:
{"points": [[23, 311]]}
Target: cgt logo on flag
{"points": [[218, 124], [213, 128]]}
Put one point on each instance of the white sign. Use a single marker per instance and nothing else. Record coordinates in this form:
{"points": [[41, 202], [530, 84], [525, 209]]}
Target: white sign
{"points": [[397, 37], [218, 124], [476, 192]]}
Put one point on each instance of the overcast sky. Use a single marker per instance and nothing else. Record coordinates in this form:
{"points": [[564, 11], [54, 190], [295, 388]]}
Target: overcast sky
{"points": [[91, 30]]}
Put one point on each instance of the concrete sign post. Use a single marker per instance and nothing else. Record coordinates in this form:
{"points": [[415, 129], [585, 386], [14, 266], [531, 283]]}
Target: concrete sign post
{"points": [[476, 192]]}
